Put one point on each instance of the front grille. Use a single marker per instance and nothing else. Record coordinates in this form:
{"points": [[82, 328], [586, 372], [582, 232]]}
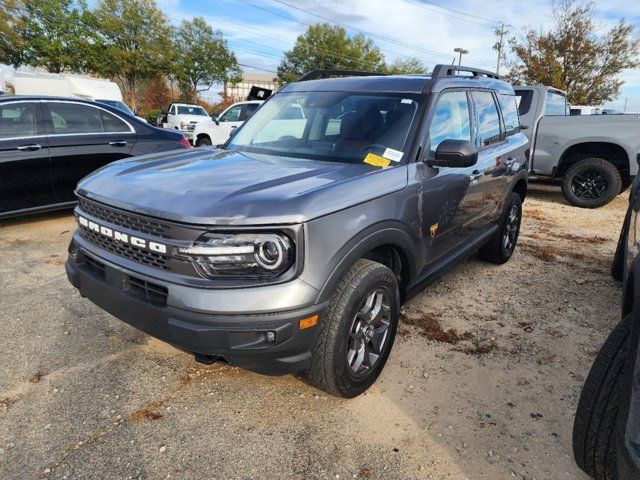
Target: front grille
{"points": [[123, 219], [94, 265], [191, 127], [139, 255]]}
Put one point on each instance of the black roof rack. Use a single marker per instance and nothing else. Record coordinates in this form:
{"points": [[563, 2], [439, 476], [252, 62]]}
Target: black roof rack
{"points": [[443, 70], [320, 73]]}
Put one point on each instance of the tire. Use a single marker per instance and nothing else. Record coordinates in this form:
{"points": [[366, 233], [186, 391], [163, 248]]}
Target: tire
{"points": [[594, 445], [591, 183], [499, 249], [617, 266], [203, 142], [343, 327]]}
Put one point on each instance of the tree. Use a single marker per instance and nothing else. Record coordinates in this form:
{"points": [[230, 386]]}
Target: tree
{"points": [[11, 43], [156, 96], [328, 47], [135, 42], [406, 66], [574, 57], [52, 34], [203, 58]]}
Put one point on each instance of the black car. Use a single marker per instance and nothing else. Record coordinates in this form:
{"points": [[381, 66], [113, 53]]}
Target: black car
{"points": [[606, 434], [47, 144]]}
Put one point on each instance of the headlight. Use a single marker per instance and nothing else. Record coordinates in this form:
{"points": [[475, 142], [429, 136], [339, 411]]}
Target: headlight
{"points": [[247, 255], [183, 125]]}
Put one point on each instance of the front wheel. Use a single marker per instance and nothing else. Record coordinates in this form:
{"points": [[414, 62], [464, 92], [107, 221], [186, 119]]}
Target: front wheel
{"points": [[591, 183], [357, 331], [203, 142], [500, 248]]}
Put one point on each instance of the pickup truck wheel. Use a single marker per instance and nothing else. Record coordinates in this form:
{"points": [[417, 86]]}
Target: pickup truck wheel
{"points": [[203, 142], [500, 248], [357, 331], [591, 183], [594, 445]]}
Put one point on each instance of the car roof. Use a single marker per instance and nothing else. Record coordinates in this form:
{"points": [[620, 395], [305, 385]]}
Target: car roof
{"points": [[415, 84], [46, 97]]}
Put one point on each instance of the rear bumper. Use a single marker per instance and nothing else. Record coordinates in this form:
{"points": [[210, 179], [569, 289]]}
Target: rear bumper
{"points": [[267, 343]]}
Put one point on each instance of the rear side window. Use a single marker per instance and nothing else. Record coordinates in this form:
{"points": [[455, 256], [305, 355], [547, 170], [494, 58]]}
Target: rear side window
{"points": [[69, 118], [17, 120], [556, 104], [488, 118], [509, 113], [249, 108], [113, 124], [523, 100], [451, 119]]}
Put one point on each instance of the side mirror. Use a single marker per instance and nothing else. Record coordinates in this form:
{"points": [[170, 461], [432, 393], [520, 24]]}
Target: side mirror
{"points": [[216, 119], [455, 154]]}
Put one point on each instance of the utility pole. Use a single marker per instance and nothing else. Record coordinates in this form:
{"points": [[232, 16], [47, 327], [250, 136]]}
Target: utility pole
{"points": [[460, 51], [625, 105], [499, 45]]}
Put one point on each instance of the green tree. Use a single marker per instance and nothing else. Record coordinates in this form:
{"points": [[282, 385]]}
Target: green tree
{"points": [[325, 46], [52, 34], [203, 58], [11, 43], [135, 42], [574, 56], [409, 66]]}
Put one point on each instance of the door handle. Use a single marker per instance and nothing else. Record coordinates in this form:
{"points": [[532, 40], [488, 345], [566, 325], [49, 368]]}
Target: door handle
{"points": [[476, 175], [233, 126], [118, 143], [29, 148]]}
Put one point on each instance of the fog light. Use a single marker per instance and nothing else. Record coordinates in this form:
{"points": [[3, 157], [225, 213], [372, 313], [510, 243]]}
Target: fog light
{"points": [[271, 337]]}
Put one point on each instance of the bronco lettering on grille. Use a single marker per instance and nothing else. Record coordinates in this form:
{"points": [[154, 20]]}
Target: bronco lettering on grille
{"points": [[122, 237]]}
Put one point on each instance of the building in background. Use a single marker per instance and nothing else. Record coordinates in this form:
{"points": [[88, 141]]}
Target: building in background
{"points": [[249, 79]]}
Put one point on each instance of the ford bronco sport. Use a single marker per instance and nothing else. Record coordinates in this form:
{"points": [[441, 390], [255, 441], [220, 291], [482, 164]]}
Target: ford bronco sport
{"points": [[293, 252]]}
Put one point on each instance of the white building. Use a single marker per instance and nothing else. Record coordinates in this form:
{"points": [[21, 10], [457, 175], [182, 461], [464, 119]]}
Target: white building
{"points": [[249, 79]]}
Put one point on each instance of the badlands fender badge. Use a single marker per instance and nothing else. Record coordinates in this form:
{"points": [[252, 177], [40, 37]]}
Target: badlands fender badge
{"points": [[122, 237]]}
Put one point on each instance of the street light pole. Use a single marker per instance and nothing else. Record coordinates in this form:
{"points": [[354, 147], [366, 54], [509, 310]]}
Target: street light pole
{"points": [[460, 51]]}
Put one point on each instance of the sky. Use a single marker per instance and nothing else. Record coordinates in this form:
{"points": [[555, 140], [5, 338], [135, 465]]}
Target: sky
{"points": [[259, 31]]}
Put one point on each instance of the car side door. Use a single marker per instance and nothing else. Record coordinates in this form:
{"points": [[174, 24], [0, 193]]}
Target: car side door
{"points": [[227, 122], [25, 174], [451, 201], [83, 138]]}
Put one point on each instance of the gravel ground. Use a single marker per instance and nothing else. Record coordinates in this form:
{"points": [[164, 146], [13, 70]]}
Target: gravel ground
{"points": [[482, 383]]}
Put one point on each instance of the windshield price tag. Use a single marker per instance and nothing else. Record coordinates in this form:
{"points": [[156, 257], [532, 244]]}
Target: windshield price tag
{"points": [[393, 155], [376, 160]]}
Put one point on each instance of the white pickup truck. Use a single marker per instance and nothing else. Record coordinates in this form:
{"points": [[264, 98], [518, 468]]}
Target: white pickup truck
{"points": [[216, 130], [184, 117]]}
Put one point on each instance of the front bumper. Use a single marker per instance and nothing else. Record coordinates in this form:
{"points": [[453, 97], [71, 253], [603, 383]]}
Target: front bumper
{"points": [[268, 343]]}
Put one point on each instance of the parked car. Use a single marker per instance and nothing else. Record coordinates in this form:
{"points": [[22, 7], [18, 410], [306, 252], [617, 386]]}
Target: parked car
{"points": [[294, 253], [217, 129], [184, 117], [592, 155], [47, 144], [606, 433]]}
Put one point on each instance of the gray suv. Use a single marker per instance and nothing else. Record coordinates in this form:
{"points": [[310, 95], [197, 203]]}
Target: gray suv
{"points": [[292, 247]]}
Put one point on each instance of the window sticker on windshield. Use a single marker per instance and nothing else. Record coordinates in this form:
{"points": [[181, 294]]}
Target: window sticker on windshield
{"points": [[406, 100], [376, 160], [393, 155]]}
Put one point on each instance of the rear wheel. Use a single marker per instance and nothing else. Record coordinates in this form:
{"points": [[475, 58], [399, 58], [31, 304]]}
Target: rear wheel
{"points": [[594, 445], [357, 331], [500, 248], [591, 183], [203, 142]]}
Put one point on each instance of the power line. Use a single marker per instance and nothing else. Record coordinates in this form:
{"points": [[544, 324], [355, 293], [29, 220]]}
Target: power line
{"points": [[256, 68], [460, 15]]}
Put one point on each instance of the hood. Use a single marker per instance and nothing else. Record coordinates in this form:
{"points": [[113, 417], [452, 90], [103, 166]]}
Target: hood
{"points": [[192, 118], [222, 187]]}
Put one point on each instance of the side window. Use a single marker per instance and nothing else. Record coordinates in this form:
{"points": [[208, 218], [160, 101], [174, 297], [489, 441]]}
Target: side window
{"points": [[113, 124], [17, 120], [451, 119], [232, 115], [69, 118], [249, 108], [510, 116], [172, 111], [556, 104], [523, 100], [488, 118]]}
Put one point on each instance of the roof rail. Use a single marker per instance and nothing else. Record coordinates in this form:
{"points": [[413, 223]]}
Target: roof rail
{"points": [[321, 73], [443, 70]]}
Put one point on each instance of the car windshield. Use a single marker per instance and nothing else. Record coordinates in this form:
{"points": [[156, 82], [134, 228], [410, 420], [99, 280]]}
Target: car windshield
{"points": [[333, 126], [192, 111], [119, 105]]}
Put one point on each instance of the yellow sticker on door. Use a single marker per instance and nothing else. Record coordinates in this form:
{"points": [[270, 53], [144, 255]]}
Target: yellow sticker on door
{"points": [[378, 161]]}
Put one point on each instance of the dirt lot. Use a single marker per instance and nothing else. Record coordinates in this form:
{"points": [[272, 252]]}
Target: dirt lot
{"points": [[482, 383]]}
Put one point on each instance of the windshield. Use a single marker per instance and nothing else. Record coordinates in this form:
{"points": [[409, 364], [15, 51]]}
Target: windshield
{"points": [[192, 111], [333, 126], [119, 105]]}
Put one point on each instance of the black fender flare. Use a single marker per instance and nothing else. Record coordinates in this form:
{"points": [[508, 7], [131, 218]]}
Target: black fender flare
{"points": [[390, 233]]}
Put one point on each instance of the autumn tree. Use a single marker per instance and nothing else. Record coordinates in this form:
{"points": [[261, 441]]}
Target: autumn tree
{"points": [[324, 46], [11, 43], [574, 56], [157, 95], [203, 58], [136, 42]]}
